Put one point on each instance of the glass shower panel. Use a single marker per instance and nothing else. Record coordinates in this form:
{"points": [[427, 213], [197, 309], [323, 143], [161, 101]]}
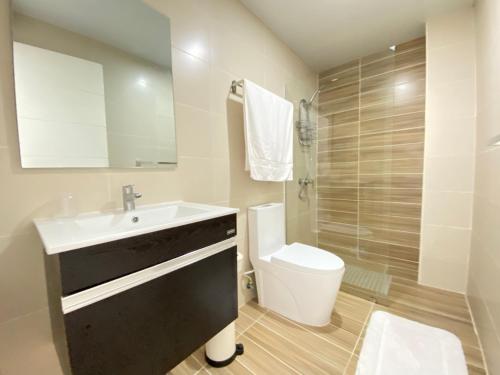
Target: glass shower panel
{"points": [[301, 191]]}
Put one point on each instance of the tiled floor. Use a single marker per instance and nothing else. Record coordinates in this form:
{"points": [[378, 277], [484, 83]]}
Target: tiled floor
{"points": [[275, 345]]}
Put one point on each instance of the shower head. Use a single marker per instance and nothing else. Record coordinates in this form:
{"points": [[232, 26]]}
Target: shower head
{"points": [[313, 96]]}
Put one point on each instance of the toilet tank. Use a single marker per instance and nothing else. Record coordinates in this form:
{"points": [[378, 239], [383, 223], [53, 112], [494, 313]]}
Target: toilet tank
{"points": [[266, 229]]}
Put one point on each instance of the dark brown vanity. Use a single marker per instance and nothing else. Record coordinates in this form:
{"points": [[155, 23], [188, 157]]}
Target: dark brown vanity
{"points": [[142, 304]]}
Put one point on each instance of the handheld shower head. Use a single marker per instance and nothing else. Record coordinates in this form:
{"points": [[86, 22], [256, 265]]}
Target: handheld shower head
{"points": [[313, 96]]}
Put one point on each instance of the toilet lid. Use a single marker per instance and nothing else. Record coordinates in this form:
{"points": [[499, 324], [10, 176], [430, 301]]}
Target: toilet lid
{"points": [[307, 258]]}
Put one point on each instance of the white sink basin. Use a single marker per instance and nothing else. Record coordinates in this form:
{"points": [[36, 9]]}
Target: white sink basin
{"points": [[64, 234]]}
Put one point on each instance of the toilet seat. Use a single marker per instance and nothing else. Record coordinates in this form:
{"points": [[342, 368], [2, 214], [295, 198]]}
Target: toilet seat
{"points": [[307, 258]]}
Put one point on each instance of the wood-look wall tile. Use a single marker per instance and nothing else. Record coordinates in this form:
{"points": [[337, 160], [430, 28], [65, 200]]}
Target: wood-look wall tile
{"points": [[339, 118], [389, 236], [338, 181], [338, 156], [338, 205], [408, 105], [405, 224], [337, 168], [350, 194], [337, 217], [400, 48], [390, 209], [407, 151], [347, 130], [339, 93], [340, 68], [338, 240], [337, 144], [394, 78], [404, 181], [403, 272], [391, 195], [340, 105], [406, 136], [393, 93], [406, 121], [392, 262], [389, 250], [391, 166], [398, 61], [340, 79], [350, 230]]}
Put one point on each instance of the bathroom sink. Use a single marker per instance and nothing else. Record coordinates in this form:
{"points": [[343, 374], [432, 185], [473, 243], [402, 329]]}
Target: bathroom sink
{"points": [[64, 234]]}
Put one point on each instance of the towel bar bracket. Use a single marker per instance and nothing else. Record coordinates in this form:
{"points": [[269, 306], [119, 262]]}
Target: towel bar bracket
{"points": [[235, 84]]}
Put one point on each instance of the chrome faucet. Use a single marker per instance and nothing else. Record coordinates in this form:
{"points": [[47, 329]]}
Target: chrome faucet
{"points": [[129, 197]]}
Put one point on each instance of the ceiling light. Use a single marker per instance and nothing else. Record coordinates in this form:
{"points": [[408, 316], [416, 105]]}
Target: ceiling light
{"points": [[392, 48], [334, 79]]}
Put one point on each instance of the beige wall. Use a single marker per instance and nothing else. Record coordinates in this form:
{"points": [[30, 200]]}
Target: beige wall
{"points": [[214, 42], [484, 271], [449, 151]]}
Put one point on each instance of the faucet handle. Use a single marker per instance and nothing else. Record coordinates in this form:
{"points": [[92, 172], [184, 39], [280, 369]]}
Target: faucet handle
{"points": [[137, 195]]}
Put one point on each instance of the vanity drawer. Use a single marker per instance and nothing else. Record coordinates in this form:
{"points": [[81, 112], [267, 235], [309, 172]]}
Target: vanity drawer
{"points": [[152, 327], [97, 264]]}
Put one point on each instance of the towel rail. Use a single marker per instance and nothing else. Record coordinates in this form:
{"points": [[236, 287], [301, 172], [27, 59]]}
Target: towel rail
{"points": [[236, 84]]}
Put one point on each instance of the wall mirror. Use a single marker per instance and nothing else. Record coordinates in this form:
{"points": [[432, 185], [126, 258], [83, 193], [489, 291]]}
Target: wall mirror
{"points": [[93, 83]]}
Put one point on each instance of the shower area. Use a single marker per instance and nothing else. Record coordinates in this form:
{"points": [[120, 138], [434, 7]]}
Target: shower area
{"points": [[358, 157]]}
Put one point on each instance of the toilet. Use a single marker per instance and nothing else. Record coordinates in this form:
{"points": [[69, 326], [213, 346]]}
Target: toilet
{"points": [[298, 281]]}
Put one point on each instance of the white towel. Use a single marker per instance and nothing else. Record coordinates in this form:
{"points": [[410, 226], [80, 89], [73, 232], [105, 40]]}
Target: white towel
{"points": [[268, 134]]}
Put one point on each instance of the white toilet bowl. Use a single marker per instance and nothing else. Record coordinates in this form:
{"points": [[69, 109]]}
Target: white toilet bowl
{"points": [[298, 281]]}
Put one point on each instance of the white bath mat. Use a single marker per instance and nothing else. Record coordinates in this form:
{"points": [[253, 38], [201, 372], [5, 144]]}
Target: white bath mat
{"points": [[396, 346]]}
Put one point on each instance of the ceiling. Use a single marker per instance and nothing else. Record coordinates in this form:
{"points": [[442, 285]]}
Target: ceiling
{"points": [[326, 33], [129, 25]]}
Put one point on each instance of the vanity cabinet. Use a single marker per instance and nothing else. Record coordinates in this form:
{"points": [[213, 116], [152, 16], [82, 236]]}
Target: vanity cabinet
{"points": [[141, 305]]}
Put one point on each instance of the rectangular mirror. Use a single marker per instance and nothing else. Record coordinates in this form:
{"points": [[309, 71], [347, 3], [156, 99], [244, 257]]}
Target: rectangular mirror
{"points": [[93, 84]]}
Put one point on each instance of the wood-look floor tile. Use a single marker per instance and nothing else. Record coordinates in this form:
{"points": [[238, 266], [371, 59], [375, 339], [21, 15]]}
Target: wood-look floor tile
{"points": [[392, 138], [391, 166], [188, 367], [405, 224], [353, 307], [338, 205], [337, 193], [390, 209], [339, 118], [298, 355], [391, 195], [327, 350], [395, 62], [352, 365], [338, 156], [405, 121], [393, 93], [389, 250], [336, 335], [235, 368], [243, 322], [393, 78], [350, 129], [261, 361], [253, 310]]}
